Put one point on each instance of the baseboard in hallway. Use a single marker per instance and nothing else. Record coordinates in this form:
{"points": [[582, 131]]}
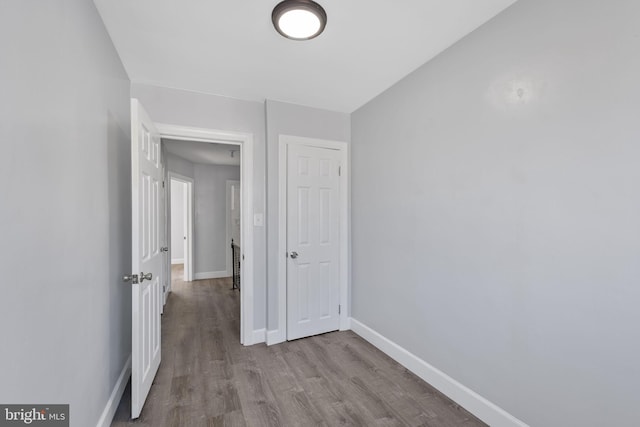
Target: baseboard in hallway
{"points": [[212, 275]]}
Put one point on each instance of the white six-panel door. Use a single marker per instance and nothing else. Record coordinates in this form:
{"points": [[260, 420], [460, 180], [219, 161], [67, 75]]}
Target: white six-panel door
{"points": [[147, 225], [313, 246]]}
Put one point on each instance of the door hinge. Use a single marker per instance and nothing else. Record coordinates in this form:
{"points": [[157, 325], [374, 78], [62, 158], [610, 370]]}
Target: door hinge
{"points": [[162, 184], [339, 170], [339, 309]]}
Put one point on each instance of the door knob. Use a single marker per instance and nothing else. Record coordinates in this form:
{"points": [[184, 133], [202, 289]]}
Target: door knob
{"points": [[133, 278], [165, 249], [144, 277], [293, 254]]}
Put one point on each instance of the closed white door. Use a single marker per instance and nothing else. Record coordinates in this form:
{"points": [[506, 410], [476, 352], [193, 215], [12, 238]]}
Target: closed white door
{"points": [[147, 226], [313, 247]]}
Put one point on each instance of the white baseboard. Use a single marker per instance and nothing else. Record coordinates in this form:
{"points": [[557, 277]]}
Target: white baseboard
{"points": [[487, 411], [114, 400], [276, 337], [177, 261], [212, 275], [259, 336]]}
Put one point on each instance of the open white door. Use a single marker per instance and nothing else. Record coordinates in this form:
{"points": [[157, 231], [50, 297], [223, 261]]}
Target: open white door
{"points": [[147, 225], [313, 241]]}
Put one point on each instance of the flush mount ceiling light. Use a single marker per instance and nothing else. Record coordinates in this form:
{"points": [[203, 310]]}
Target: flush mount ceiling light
{"points": [[299, 19]]}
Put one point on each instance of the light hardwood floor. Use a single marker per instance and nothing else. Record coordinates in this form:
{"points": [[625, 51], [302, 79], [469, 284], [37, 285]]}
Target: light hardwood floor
{"points": [[207, 378]]}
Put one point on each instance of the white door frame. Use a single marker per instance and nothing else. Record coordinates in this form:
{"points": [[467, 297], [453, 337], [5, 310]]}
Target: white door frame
{"points": [[245, 142], [189, 219], [280, 335]]}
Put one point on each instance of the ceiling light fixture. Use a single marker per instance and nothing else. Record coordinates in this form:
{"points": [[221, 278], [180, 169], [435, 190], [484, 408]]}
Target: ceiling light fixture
{"points": [[299, 19]]}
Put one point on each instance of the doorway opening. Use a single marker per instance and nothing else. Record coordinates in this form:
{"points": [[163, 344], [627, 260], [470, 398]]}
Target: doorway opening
{"points": [[205, 210], [180, 227], [214, 169]]}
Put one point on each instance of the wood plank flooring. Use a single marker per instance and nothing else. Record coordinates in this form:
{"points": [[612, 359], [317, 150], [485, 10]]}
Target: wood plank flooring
{"points": [[207, 378]]}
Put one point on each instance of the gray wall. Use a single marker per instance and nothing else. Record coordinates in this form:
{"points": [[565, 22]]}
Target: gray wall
{"points": [[178, 233], [65, 215], [210, 187], [179, 165], [496, 232], [185, 108], [290, 119]]}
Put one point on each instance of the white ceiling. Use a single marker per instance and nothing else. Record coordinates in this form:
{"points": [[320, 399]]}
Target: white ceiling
{"points": [[204, 152], [230, 47]]}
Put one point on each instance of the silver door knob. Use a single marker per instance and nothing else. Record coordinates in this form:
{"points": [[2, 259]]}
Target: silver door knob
{"points": [[130, 278], [165, 249], [293, 254], [144, 277]]}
